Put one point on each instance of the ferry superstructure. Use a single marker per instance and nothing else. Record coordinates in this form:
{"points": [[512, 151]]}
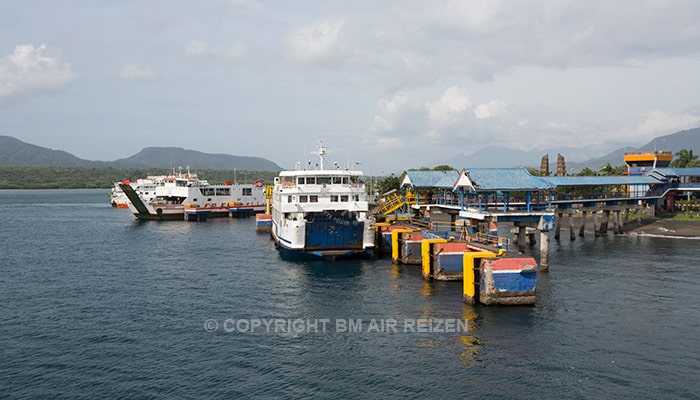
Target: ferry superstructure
{"points": [[183, 194], [322, 213], [144, 187]]}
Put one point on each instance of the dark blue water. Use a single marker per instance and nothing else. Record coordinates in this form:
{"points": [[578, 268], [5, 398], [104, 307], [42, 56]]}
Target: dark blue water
{"points": [[95, 304]]}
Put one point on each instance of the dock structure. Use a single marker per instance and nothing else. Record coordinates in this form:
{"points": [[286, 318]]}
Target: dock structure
{"points": [[473, 202], [453, 229]]}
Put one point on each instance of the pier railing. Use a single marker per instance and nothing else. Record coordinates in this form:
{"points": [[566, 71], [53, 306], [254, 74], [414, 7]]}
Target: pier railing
{"points": [[493, 240]]}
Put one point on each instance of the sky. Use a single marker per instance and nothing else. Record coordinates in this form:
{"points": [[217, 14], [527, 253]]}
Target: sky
{"points": [[386, 85]]}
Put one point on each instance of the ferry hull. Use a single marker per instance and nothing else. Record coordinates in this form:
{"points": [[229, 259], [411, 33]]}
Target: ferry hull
{"points": [[326, 236], [326, 231]]}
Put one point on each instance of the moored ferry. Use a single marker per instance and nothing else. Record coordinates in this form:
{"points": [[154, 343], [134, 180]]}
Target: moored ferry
{"points": [[322, 213], [183, 195], [144, 187]]}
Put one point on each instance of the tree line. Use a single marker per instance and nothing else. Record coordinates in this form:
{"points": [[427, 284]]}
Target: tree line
{"points": [[104, 178]]}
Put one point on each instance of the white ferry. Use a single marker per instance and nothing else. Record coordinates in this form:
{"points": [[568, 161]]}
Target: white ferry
{"points": [[321, 213], [144, 187], [184, 196]]}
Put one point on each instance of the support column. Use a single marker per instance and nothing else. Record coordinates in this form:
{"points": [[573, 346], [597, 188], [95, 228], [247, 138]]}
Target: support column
{"points": [[522, 236], [639, 216], [620, 225], [616, 221], [572, 233], [582, 228], [557, 226], [544, 251], [595, 223], [531, 241], [604, 224]]}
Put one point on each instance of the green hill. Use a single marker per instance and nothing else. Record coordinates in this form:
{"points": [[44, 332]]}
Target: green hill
{"points": [[16, 153]]}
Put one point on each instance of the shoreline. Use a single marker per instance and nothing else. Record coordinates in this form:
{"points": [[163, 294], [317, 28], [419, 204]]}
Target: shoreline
{"points": [[663, 227], [646, 227]]}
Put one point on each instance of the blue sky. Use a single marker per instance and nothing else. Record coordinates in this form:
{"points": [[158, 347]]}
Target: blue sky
{"points": [[391, 85]]}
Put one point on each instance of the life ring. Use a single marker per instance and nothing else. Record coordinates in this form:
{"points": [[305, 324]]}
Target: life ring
{"points": [[258, 183]]}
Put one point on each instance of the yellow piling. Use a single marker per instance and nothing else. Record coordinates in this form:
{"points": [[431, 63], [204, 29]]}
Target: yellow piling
{"points": [[426, 260], [468, 276], [395, 243]]}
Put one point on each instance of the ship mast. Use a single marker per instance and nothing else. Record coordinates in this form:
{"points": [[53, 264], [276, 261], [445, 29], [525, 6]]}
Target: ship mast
{"points": [[321, 155]]}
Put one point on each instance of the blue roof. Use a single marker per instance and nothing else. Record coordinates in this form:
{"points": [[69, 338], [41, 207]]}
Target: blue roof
{"points": [[680, 171], [600, 180], [485, 179], [434, 179]]}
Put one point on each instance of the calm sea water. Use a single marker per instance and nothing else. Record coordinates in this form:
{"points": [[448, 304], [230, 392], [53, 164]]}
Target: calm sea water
{"points": [[95, 304]]}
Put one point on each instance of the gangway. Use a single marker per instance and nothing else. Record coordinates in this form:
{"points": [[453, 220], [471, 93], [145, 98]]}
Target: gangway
{"points": [[395, 200]]}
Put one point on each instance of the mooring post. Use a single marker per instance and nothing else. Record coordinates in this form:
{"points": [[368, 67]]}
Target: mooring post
{"points": [[544, 251], [521, 238], [583, 224]]}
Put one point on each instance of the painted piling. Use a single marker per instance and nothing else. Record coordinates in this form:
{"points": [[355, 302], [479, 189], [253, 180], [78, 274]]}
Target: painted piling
{"points": [[395, 253], [409, 244], [427, 257], [507, 281], [447, 260], [383, 237], [263, 222], [470, 264]]}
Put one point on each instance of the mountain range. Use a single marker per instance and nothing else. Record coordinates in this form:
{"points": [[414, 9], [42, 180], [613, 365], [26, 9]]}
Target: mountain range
{"points": [[16, 153], [498, 156]]}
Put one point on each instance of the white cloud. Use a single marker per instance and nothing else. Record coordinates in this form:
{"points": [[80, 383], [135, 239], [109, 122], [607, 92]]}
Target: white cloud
{"points": [[316, 44], [133, 72], [30, 70], [491, 109], [400, 112], [451, 107], [199, 49]]}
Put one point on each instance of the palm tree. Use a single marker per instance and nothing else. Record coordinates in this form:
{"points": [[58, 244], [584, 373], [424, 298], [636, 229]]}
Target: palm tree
{"points": [[685, 159]]}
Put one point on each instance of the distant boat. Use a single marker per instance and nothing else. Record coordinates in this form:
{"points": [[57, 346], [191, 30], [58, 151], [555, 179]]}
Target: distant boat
{"points": [[183, 195], [322, 213]]}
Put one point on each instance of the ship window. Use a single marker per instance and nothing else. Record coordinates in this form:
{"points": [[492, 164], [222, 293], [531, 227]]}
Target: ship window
{"points": [[334, 199], [300, 180], [313, 198], [303, 198], [323, 180], [356, 197], [344, 198], [247, 191], [289, 199], [337, 180], [310, 180], [345, 180]]}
